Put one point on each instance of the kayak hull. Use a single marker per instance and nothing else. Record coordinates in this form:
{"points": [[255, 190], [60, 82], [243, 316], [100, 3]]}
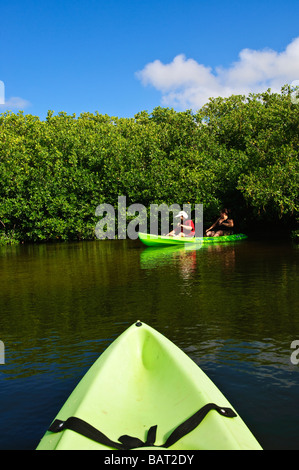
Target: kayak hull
{"points": [[161, 240], [142, 380]]}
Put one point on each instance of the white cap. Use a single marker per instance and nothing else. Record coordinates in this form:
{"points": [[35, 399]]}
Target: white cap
{"points": [[182, 213]]}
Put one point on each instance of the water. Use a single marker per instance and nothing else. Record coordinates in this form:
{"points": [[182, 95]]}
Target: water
{"points": [[233, 309]]}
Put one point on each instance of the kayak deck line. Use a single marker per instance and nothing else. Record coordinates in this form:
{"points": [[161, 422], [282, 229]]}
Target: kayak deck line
{"points": [[150, 239], [126, 442], [143, 385]]}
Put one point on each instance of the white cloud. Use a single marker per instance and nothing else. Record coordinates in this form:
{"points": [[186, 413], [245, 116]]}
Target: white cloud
{"points": [[15, 103], [184, 83]]}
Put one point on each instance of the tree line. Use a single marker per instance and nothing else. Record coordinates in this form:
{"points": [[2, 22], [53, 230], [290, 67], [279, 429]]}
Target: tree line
{"points": [[239, 152]]}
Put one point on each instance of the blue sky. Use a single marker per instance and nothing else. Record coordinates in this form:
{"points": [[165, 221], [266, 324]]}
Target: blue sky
{"points": [[119, 57]]}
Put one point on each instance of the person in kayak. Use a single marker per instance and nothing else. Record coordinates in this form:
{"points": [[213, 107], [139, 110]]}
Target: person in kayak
{"points": [[222, 226], [184, 228]]}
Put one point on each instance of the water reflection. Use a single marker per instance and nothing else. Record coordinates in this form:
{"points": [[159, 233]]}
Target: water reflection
{"points": [[232, 308], [185, 257]]}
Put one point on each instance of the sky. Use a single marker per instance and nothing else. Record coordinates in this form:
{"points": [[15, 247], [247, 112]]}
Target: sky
{"points": [[121, 57]]}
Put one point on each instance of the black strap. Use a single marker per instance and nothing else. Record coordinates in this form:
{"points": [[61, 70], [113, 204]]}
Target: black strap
{"points": [[87, 430], [192, 422], [81, 427], [133, 442], [128, 442]]}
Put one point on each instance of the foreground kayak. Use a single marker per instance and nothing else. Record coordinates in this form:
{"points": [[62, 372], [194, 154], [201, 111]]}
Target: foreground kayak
{"points": [[158, 240], [144, 393]]}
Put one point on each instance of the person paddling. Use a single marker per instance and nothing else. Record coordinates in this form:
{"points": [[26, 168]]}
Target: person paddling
{"points": [[184, 228], [222, 226]]}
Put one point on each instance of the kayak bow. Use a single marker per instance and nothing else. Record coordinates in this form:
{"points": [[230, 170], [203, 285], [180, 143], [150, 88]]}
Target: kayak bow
{"points": [[144, 392]]}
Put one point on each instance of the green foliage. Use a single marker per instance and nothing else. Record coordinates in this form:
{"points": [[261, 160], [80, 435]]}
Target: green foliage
{"points": [[240, 152]]}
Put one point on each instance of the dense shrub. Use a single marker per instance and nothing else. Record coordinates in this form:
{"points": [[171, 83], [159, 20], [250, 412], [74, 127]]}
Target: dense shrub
{"points": [[241, 152]]}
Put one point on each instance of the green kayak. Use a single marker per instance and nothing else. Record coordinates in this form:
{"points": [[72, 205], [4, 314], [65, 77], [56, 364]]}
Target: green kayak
{"points": [[158, 240], [143, 392]]}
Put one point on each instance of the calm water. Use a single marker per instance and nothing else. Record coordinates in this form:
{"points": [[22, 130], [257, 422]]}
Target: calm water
{"points": [[233, 309]]}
